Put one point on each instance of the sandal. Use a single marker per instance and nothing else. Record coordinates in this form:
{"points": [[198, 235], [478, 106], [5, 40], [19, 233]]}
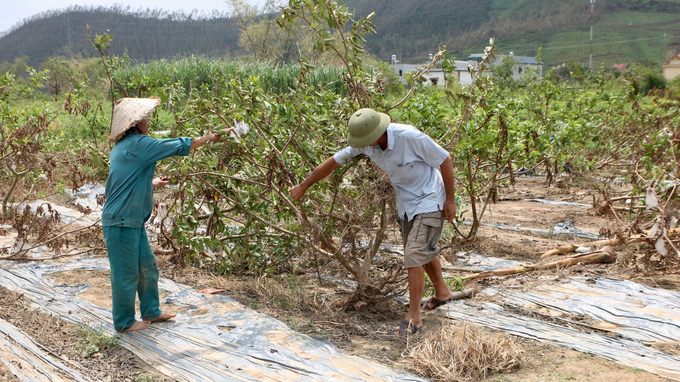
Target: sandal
{"points": [[406, 327], [436, 302]]}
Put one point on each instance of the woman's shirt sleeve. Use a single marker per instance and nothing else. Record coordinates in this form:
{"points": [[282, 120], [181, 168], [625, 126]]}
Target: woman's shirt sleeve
{"points": [[152, 150]]}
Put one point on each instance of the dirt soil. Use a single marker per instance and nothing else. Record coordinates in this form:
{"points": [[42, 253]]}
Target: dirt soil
{"points": [[544, 362], [64, 340], [514, 210], [6, 375], [99, 292], [368, 331]]}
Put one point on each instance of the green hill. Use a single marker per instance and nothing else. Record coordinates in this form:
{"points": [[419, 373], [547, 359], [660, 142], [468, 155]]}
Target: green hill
{"points": [[148, 35], [624, 30]]}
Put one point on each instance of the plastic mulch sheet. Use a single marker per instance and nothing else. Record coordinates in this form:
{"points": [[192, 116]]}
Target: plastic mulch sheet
{"points": [[629, 309], [611, 318], [566, 228], [622, 350], [558, 203], [28, 361], [216, 339]]}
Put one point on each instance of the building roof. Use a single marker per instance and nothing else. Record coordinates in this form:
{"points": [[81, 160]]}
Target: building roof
{"points": [[526, 60], [677, 56], [518, 59], [475, 57]]}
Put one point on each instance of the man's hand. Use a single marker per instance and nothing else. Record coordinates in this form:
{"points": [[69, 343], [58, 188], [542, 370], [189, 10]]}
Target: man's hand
{"points": [[160, 182], [320, 172], [297, 192], [449, 210]]}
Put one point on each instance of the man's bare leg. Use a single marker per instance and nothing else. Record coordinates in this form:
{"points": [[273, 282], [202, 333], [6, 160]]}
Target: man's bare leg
{"points": [[161, 318], [434, 271], [138, 325], [416, 283]]}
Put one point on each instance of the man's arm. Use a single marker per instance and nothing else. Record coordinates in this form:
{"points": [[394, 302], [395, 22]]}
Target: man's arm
{"points": [[319, 173], [449, 185]]}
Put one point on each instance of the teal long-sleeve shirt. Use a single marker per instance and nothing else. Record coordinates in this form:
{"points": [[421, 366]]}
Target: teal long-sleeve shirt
{"points": [[129, 189]]}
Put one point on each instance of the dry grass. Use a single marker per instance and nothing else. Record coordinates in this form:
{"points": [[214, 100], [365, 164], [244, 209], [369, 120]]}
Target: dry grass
{"points": [[461, 353], [285, 292]]}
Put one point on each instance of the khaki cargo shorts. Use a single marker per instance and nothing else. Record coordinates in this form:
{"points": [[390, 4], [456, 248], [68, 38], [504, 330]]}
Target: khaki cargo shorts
{"points": [[420, 236]]}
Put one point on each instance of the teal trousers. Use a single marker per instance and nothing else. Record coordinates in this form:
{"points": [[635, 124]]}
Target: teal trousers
{"points": [[133, 271]]}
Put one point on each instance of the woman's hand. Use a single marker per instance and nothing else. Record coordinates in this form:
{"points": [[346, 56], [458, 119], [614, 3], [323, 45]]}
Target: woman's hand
{"points": [[198, 142], [159, 182], [214, 138]]}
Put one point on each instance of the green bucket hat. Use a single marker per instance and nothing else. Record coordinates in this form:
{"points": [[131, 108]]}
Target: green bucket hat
{"points": [[365, 127]]}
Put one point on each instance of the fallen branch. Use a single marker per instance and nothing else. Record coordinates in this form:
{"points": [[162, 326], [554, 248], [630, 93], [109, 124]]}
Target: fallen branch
{"points": [[55, 257], [162, 251], [465, 293], [606, 255], [610, 242], [19, 255]]}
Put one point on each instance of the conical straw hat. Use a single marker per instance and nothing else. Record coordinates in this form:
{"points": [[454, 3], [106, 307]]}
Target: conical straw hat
{"points": [[128, 112]]}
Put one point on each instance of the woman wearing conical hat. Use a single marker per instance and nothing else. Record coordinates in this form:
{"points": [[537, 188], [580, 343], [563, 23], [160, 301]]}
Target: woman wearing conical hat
{"points": [[129, 201]]}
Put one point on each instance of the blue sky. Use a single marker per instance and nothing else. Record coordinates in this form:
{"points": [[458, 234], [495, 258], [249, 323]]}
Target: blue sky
{"points": [[13, 11]]}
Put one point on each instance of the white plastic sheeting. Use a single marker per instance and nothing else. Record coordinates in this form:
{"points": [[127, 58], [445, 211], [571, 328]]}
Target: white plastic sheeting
{"points": [[622, 350], [632, 310], [26, 360], [631, 315], [558, 203], [217, 339], [566, 228], [86, 196]]}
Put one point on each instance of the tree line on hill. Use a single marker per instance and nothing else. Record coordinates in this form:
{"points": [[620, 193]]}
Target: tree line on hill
{"points": [[412, 29], [144, 34], [409, 29]]}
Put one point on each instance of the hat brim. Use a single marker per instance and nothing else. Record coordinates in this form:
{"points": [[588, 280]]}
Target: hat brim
{"points": [[369, 139], [128, 112]]}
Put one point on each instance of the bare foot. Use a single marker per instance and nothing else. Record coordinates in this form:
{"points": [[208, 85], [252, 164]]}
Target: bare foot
{"points": [[138, 325], [161, 318]]}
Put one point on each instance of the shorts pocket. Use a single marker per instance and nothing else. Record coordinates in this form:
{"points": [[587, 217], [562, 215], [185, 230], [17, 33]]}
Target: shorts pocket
{"points": [[434, 231], [432, 222]]}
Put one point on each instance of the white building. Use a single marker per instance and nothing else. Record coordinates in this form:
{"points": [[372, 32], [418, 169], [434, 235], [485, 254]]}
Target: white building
{"points": [[522, 63], [436, 75], [671, 68]]}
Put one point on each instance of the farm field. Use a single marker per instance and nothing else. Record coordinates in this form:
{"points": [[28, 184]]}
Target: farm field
{"points": [[314, 309], [563, 252]]}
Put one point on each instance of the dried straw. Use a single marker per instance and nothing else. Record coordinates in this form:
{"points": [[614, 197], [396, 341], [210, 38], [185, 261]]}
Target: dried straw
{"points": [[461, 353]]}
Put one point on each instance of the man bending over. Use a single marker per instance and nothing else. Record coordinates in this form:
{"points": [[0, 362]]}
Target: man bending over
{"points": [[425, 197]]}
